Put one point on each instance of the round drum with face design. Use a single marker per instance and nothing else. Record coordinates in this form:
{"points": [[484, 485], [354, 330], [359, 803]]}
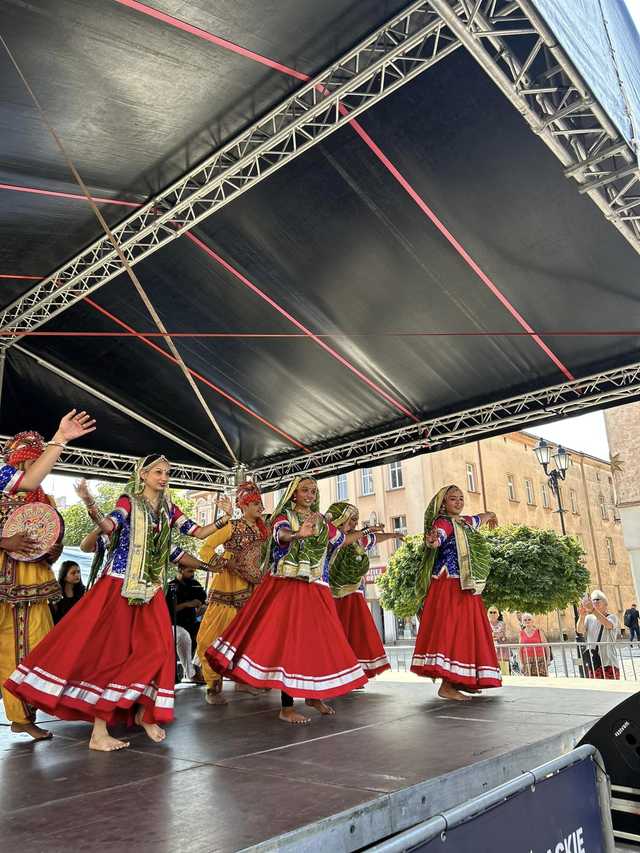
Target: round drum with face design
{"points": [[38, 520]]}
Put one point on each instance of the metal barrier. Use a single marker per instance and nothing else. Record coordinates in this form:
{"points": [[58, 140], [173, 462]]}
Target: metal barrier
{"points": [[620, 660]]}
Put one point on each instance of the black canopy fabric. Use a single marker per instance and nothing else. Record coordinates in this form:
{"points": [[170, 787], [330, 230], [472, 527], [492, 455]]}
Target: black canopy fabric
{"points": [[332, 242]]}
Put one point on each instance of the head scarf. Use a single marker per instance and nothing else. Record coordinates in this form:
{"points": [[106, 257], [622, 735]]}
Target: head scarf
{"points": [[341, 512], [247, 493], [304, 557], [473, 552], [22, 447], [149, 538]]}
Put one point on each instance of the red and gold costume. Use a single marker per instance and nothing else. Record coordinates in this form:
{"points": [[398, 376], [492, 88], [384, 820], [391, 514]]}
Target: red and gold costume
{"points": [[26, 588], [239, 573]]}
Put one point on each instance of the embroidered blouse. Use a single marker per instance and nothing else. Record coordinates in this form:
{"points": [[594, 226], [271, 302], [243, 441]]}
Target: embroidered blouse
{"points": [[119, 517], [280, 548], [447, 556]]}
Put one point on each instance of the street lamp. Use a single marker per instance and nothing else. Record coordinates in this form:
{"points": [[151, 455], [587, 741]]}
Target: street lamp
{"points": [[561, 463], [556, 474]]}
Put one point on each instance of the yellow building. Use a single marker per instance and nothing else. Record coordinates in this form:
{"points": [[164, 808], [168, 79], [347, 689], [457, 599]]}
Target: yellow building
{"points": [[500, 474]]}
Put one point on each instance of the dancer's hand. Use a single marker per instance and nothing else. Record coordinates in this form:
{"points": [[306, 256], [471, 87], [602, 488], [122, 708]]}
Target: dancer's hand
{"points": [[82, 490], [492, 520], [431, 539], [19, 543], [74, 425], [224, 503], [54, 553], [308, 526]]}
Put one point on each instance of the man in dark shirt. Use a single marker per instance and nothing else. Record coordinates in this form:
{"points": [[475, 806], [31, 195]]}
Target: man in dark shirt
{"points": [[189, 598], [632, 621]]}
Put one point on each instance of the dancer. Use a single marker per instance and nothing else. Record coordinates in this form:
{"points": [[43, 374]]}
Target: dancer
{"points": [[240, 571], [288, 635], [115, 651], [27, 587], [455, 642], [347, 569]]}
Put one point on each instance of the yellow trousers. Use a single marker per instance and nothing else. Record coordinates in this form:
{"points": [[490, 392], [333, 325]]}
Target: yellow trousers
{"points": [[216, 618], [21, 629]]}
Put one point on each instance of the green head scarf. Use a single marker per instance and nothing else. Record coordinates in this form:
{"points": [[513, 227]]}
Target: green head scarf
{"points": [[149, 548], [305, 557], [341, 512], [473, 552]]}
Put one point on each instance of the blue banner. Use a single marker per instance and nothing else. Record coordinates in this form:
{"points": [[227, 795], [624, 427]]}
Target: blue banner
{"points": [[560, 815]]}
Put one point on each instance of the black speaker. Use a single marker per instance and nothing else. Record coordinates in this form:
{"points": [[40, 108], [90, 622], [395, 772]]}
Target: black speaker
{"points": [[617, 737]]}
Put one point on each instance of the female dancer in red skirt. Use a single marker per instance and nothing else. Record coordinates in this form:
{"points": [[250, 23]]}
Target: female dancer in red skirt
{"points": [[115, 649], [455, 642], [347, 568], [288, 635]]}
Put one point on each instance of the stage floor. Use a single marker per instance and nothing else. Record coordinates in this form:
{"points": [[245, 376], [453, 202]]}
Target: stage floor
{"points": [[232, 777]]}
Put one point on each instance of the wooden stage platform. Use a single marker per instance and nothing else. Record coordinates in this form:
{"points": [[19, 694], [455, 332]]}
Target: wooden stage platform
{"points": [[236, 777]]}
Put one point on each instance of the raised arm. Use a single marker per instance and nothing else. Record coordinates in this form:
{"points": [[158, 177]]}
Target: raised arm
{"points": [[223, 503], [73, 425], [104, 524]]}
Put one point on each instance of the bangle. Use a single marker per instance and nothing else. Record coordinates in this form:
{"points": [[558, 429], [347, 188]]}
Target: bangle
{"points": [[56, 444], [222, 522]]}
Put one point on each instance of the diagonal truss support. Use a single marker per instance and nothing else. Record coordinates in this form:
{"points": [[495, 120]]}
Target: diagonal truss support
{"points": [[407, 45], [514, 46], [571, 398], [120, 466], [126, 410]]}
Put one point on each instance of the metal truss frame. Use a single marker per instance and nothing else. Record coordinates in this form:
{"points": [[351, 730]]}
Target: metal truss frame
{"points": [[514, 413], [395, 53], [514, 46], [120, 466]]}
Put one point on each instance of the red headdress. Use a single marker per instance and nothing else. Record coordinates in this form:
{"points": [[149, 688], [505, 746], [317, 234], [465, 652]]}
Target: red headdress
{"points": [[247, 493], [23, 446]]}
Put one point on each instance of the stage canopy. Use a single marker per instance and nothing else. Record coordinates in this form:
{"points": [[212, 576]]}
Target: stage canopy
{"points": [[371, 229]]}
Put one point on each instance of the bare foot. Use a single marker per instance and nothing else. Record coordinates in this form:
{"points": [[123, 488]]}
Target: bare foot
{"points": [[247, 688], [324, 709], [291, 716], [448, 691], [214, 696], [153, 730], [31, 729], [105, 743]]}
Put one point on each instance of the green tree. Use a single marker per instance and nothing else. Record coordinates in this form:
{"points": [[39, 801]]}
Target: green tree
{"points": [[78, 524], [532, 570]]}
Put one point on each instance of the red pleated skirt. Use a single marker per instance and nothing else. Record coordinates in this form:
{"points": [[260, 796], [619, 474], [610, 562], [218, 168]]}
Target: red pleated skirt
{"points": [[288, 636], [455, 641], [102, 659], [362, 634]]}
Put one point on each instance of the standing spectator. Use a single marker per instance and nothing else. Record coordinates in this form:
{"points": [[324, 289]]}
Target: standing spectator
{"points": [[189, 597], [534, 659], [72, 589], [601, 629], [632, 621], [499, 638]]}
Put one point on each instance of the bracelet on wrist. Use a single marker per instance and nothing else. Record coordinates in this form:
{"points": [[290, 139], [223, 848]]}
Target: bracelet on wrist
{"points": [[56, 444]]}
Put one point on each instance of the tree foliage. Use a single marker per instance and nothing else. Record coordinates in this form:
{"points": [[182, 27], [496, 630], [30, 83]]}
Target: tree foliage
{"points": [[531, 570], [78, 524]]}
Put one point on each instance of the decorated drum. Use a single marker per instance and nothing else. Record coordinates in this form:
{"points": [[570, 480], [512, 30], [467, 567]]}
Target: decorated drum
{"points": [[38, 520]]}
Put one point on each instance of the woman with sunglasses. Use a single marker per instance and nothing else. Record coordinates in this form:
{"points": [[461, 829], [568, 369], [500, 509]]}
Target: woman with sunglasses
{"points": [[534, 659], [112, 657]]}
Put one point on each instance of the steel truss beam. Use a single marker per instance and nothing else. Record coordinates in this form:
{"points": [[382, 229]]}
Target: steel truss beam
{"points": [[394, 54], [592, 392], [119, 466], [513, 44]]}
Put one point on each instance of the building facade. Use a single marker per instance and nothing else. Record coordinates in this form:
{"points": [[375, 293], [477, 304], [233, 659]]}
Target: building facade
{"points": [[500, 474]]}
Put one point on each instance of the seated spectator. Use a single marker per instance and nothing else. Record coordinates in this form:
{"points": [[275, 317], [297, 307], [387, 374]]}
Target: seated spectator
{"points": [[534, 659], [72, 589], [600, 629]]}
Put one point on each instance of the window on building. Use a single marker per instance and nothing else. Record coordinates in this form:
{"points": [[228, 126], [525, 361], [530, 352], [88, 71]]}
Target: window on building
{"points": [[374, 552], [396, 480], [511, 488], [603, 506], [398, 525], [531, 498], [202, 516], [471, 477], [544, 491], [342, 490], [366, 481], [573, 497], [610, 555]]}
